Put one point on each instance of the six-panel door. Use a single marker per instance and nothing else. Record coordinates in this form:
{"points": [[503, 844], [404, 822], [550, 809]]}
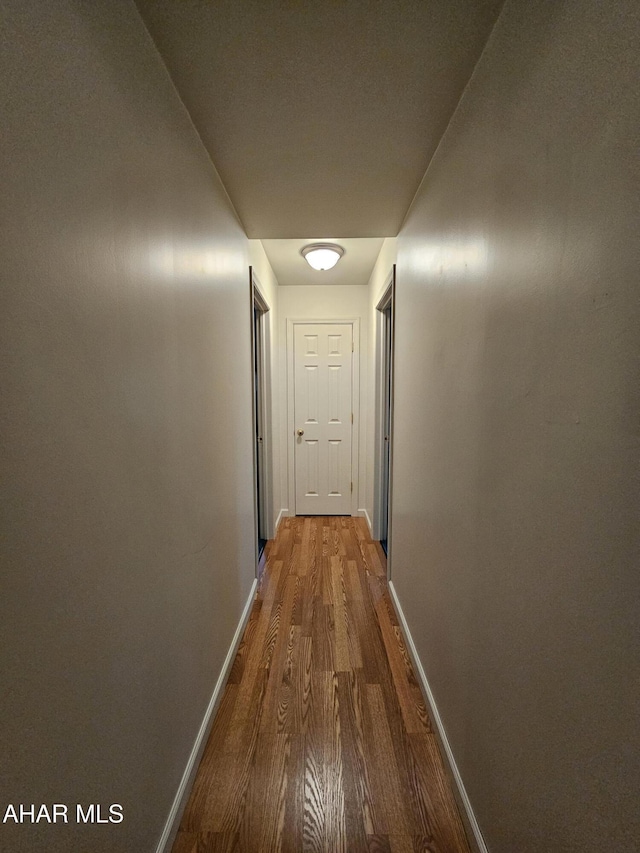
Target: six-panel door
{"points": [[322, 413]]}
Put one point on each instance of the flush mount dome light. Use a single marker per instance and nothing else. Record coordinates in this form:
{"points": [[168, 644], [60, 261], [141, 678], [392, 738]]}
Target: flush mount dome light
{"points": [[322, 256]]}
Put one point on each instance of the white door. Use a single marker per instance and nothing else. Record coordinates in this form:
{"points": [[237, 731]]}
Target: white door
{"points": [[322, 416]]}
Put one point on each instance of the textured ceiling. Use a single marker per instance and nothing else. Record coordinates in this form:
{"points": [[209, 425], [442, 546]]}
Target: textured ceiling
{"points": [[320, 117]]}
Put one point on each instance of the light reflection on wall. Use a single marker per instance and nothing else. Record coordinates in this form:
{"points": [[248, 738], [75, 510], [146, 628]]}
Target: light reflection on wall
{"points": [[196, 264], [450, 258]]}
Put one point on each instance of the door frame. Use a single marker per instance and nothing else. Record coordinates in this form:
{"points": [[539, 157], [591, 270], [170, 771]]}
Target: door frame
{"points": [[354, 322], [388, 298], [258, 300]]}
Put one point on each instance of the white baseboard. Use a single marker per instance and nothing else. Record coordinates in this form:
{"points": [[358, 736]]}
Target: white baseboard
{"points": [[363, 513], [282, 514], [463, 799], [184, 789]]}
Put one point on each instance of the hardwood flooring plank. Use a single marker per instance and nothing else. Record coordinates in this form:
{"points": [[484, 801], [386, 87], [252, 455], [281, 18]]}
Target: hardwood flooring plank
{"points": [[334, 828], [386, 676], [378, 844], [253, 681], [217, 842], [294, 799], [225, 805], [408, 666], [402, 753], [433, 797], [342, 658], [416, 692], [280, 792], [286, 713], [388, 792], [297, 523], [375, 561], [360, 811], [211, 762], [352, 547], [413, 719], [337, 542], [303, 677], [313, 805], [391, 611], [376, 588], [401, 843], [345, 530], [278, 659], [283, 543], [237, 668], [326, 581], [275, 617], [322, 637], [326, 538], [365, 625], [307, 546], [314, 800], [293, 561], [291, 656], [296, 609], [423, 844], [274, 578], [186, 842], [271, 634], [353, 635], [371, 561], [310, 591], [263, 822], [361, 542], [360, 529]]}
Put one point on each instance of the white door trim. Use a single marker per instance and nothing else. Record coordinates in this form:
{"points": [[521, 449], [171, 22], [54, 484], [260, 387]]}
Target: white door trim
{"points": [[354, 322]]}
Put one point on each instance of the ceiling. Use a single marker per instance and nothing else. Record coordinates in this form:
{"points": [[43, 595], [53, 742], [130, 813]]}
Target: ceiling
{"points": [[320, 117], [354, 267]]}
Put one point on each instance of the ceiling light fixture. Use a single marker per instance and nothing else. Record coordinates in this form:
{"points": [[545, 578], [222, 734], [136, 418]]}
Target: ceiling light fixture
{"points": [[322, 256]]}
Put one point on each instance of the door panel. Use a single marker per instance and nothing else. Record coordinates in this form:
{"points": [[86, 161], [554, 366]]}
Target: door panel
{"points": [[322, 410]]}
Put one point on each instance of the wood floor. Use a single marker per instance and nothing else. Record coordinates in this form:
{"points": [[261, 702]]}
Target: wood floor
{"points": [[322, 741]]}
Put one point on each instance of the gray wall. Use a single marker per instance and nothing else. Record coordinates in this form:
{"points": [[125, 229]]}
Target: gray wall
{"points": [[515, 517], [127, 494]]}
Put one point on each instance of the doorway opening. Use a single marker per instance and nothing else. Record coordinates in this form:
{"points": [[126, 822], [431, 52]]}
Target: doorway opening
{"points": [[261, 414], [384, 411]]}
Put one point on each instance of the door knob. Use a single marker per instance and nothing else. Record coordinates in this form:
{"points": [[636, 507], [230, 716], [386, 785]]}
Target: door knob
{"points": [[300, 433]]}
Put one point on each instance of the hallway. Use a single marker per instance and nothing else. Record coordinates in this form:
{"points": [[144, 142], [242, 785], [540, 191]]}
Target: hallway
{"points": [[322, 741], [167, 168]]}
